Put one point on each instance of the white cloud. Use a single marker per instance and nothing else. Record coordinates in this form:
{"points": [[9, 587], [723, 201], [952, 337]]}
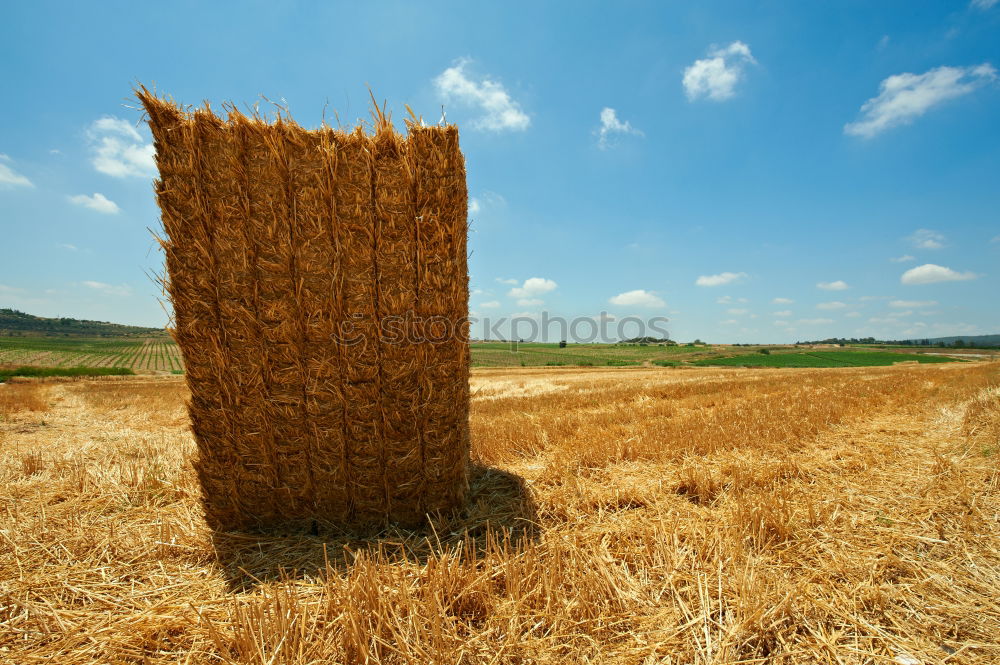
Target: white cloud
{"points": [[530, 302], [984, 4], [506, 281], [720, 279], [119, 150], [737, 311], [836, 304], [905, 258], [108, 289], [784, 312], [610, 124], [930, 273], [501, 112], [730, 322], [927, 239], [97, 202], [716, 76], [907, 304], [70, 247], [839, 285], [781, 323], [486, 200], [853, 315], [638, 298], [492, 304], [9, 178], [782, 301], [815, 322], [531, 289], [729, 300], [905, 97]]}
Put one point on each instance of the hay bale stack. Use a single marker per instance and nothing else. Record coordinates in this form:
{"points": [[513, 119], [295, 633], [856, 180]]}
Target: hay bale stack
{"points": [[319, 282]]}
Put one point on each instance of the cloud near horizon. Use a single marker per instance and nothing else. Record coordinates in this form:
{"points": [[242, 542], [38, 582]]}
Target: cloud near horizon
{"points": [[721, 279], [638, 298], [931, 273]]}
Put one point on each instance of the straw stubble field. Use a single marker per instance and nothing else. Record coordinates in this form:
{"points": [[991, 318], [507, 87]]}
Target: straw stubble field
{"points": [[616, 516]]}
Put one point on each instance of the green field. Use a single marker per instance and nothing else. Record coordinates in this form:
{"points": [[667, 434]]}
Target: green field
{"points": [[534, 354], [160, 354], [141, 354], [823, 359], [43, 372]]}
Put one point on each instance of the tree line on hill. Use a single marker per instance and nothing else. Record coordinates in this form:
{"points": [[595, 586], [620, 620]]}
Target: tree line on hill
{"points": [[14, 323], [973, 342]]}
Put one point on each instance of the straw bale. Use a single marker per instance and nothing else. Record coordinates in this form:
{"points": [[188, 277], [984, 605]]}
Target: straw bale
{"points": [[302, 266]]}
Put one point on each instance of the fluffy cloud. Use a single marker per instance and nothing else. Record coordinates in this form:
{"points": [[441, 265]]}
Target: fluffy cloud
{"points": [[108, 289], [839, 285], [97, 202], [501, 280], [905, 258], [930, 273], [907, 304], [720, 279], [492, 304], [737, 311], [527, 294], [610, 125], [638, 298], [815, 322], [9, 178], [119, 150], [500, 110], [984, 4], [716, 76], [905, 97], [836, 304], [927, 239], [784, 312], [530, 302], [729, 300], [782, 301], [853, 315]]}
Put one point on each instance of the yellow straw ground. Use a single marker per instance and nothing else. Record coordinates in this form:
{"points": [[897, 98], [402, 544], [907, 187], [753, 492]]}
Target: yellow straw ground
{"points": [[616, 516]]}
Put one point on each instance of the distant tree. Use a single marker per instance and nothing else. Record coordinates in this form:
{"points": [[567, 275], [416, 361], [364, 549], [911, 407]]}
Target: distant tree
{"points": [[562, 344], [766, 352]]}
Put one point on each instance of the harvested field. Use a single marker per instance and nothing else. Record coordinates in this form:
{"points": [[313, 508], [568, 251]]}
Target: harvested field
{"points": [[617, 516]]}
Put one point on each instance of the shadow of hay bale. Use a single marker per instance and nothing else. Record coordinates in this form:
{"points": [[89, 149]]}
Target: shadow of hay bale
{"points": [[499, 507]]}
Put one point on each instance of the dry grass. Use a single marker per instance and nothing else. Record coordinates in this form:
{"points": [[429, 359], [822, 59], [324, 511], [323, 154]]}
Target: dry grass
{"points": [[20, 396], [619, 516]]}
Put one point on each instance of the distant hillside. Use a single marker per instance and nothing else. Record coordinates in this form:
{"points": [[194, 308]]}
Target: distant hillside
{"points": [[978, 340], [19, 324]]}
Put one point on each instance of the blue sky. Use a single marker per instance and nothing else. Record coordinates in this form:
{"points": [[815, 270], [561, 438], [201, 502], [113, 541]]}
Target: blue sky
{"points": [[764, 171]]}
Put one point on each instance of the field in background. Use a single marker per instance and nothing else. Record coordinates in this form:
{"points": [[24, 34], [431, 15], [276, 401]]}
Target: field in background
{"points": [[143, 354], [160, 354], [825, 359], [711, 516]]}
